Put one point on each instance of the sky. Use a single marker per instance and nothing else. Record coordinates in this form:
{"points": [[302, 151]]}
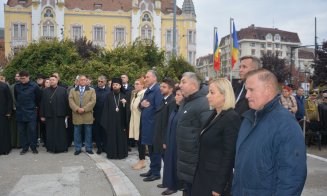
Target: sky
{"points": [[289, 15]]}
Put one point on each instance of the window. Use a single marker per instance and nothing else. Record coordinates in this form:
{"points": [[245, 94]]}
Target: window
{"points": [[19, 31], [98, 34], [252, 44], [268, 36], [263, 45], [169, 36], [146, 18], [191, 37], [48, 29], [48, 13], [119, 35], [268, 45], [253, 52], [277, 45], [262, 53], [97, 5], [146, 32], [277, 37], [191, 57], [168, 55], [76, 32]]}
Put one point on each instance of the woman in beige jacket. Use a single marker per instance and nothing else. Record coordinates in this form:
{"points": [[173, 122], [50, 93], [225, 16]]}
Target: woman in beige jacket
{"points": [[134, 124]]}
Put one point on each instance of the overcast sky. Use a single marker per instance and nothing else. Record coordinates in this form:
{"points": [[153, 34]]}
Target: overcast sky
{"points": [[289, 15]]}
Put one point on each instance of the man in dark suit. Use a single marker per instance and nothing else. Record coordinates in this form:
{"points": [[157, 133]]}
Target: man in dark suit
{"points": [[149, 105], [162, 116], [128, 88], [247, 63]]}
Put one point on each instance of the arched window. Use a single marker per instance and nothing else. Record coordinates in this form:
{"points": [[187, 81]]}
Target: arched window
{"points": [[48, 13], [146, 18], [48, 29], [146, 32], [277, 37], [269, 37]]}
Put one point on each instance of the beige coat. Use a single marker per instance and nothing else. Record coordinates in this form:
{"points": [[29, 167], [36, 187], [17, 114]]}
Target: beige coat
{"points": [[89, 100], [134, 123]]}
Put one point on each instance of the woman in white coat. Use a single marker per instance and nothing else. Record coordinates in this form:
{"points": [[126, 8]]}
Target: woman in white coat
{"points": [[134, 124]]}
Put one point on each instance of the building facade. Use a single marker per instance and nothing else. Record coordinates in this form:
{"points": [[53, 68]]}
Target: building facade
{"points": [[107, 23], [257, 41]]}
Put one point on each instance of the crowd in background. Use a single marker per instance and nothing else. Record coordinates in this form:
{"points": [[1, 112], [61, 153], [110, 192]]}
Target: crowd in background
{"points": [[214, 138]]}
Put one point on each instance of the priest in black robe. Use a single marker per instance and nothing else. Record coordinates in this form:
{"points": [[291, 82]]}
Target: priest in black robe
{"points": [[53, 111], [5, 112], [114, 121]]}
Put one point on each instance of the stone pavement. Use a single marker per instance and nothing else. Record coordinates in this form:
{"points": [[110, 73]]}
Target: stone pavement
{"points": [[51, 174], [65, 174]]}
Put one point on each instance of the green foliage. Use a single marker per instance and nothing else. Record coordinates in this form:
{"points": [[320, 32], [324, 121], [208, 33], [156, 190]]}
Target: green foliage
{"points": [[176, 67], [70, 59]]}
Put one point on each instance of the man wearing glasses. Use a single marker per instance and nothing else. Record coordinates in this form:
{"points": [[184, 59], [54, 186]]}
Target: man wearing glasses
{"points": [[102, 91]]}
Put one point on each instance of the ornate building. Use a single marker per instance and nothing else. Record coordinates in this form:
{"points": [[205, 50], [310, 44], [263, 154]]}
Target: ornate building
{"points": [[107, 23], [256, 41]]}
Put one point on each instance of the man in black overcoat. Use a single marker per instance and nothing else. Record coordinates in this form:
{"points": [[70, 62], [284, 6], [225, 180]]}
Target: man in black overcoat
{"points": [[5, 112]]}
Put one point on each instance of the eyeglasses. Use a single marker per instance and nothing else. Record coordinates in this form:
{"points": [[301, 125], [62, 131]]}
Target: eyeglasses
{"points": [[100, 81]]}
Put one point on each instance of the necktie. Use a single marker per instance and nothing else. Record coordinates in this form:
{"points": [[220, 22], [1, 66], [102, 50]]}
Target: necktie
{"points": [[81, 96]]}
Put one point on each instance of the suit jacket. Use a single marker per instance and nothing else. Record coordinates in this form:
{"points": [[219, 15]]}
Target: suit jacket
{"points": [[88, 103], [242, 105], [161, 122], [154, 96], [216, 155]]}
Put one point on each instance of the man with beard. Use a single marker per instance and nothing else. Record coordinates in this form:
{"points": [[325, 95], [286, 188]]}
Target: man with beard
{"points": [[5, 112], [54, 109], [114, 121]]}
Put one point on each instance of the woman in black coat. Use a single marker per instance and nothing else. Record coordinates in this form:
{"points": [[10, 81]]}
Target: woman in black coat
{"points": [[214, 171]]}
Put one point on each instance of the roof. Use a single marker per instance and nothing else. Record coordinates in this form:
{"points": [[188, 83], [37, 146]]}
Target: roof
{"points": [[106, 5], [208, 58], [306, 53], [260, 33]]}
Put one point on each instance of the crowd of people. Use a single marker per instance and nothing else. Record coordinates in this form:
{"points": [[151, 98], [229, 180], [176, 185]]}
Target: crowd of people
{"points": [[214, 139]]}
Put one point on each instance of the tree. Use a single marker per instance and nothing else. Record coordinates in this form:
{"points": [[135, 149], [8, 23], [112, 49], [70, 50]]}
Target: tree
{"points": [[70, 58], [276, 65], [320, 68]]}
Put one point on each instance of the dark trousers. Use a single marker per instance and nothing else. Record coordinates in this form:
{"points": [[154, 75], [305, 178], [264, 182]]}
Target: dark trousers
{"points": [[141, 149], [155, 159], [188, 188], [99, 135], [27, 134]]}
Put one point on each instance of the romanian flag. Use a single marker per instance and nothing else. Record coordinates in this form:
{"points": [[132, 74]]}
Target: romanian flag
{"points": [[235, 47], [216, 53]]}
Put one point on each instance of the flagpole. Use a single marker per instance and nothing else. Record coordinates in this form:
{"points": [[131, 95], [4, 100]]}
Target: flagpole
{"points": [[231, 49], [215, 29]]}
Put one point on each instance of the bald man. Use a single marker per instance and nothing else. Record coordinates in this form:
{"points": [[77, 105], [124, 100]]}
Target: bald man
{"points": [[270, 150]]}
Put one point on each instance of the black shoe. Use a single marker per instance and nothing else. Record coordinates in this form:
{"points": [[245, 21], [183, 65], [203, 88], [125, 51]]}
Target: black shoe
{"points": [[89, 152], [161, 186], [77, 152], [168, 192], [23, 152], [151, 178], [147, 174], [99, 151], [35, 151]]}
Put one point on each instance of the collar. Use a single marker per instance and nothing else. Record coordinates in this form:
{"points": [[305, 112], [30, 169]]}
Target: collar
{"points": [[252, 114]]}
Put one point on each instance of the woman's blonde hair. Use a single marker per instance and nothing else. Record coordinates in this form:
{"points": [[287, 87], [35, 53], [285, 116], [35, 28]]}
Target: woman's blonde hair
{"points": [[225, 87]]}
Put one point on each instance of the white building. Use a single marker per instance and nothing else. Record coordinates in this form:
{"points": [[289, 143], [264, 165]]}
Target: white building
{"points": [[257, 41]]}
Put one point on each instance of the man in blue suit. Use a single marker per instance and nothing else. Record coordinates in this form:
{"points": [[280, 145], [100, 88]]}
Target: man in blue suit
{"points": [[149, 105]]}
